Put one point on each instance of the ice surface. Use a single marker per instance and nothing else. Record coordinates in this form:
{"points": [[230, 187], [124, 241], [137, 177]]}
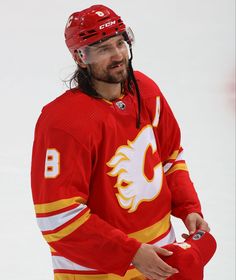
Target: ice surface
{"points": [[186, 46]]}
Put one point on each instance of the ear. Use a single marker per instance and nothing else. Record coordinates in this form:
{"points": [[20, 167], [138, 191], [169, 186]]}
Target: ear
{"points": [[79, 60]]}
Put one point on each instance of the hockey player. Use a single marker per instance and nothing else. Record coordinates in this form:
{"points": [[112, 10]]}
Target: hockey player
{"points": [[108, 169]]}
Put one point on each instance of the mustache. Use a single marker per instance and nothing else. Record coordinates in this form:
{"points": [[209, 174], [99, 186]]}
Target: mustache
{"points": [[116, 63]]}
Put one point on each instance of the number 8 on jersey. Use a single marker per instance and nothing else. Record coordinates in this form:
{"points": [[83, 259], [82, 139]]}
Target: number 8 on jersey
{"points": [[52, 164]]}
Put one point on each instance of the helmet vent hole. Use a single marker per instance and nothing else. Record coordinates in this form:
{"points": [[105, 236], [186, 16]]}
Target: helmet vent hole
{"points": [[103, 18], [88, 36], [91, 31]]}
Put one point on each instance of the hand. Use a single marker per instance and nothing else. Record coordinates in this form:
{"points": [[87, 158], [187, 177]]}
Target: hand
{"points": [[151, 265], [193, 222]]}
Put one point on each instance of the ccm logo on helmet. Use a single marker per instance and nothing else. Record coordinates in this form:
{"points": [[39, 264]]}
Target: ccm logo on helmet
{"points": [[108, 24]]}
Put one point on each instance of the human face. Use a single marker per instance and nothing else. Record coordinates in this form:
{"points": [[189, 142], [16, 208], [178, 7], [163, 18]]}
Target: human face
{"points": [[108, 60]]}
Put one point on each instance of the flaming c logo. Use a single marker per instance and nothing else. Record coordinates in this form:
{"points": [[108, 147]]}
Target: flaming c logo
{"points": [[128, 166]]}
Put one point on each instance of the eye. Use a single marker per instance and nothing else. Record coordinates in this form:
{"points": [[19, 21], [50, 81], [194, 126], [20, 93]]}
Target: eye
{"points": [[121, 43], [103, 50]]}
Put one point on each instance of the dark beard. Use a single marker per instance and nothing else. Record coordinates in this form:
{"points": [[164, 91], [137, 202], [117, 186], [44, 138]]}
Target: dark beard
{"points": [[106, 77]]}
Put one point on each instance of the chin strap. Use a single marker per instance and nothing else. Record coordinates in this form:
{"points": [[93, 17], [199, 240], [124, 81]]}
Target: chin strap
{"points": [[138, 123]]}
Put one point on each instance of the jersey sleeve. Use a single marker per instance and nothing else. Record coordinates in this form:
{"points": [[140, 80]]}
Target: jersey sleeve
{"points": [[184, 197], [60, 176]]}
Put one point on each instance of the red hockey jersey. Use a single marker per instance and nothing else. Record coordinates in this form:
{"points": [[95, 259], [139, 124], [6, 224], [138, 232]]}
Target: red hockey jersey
{"points": [[101, 186]]}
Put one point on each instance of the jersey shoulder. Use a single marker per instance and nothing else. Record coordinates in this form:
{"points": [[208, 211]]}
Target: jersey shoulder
{"points": [[148, 88], [72, 111], [67, 101]]}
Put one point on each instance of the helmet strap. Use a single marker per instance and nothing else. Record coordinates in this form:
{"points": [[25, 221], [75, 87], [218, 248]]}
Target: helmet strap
{"points": [[138, 123]]}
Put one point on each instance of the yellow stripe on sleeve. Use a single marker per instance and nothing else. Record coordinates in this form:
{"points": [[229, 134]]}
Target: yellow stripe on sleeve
{"points": [[57, 205], [154, 231], [67, 230], [173, 155], [52, 250], [178, 166]]}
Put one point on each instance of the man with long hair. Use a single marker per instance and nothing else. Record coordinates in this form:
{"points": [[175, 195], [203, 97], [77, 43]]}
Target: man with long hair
{"points": [[108, 169]]}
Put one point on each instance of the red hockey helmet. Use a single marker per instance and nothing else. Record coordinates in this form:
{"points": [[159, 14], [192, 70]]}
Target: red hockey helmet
{"points": [[92, 25]]}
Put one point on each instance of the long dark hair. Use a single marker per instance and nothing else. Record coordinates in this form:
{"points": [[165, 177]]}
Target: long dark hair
{"points": [[82, 80]]}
